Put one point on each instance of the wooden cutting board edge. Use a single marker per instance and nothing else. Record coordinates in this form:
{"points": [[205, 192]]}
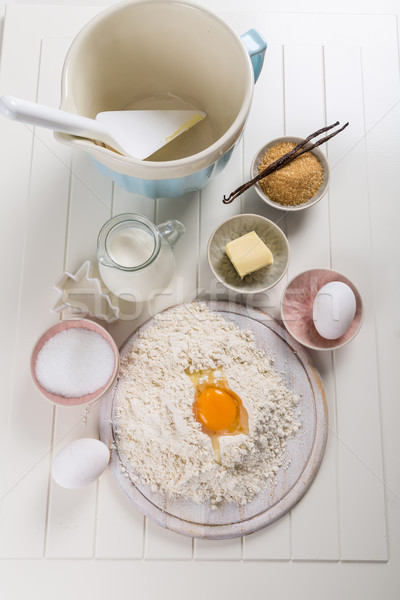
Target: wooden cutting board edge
{"points": [[253, 524]]}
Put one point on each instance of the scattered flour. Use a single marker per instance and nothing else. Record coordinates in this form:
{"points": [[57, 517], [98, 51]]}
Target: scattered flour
{"points": [[159, 440]]}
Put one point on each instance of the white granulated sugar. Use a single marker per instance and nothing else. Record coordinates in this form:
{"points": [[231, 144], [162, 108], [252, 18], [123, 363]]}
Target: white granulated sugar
{"points": [[74, 362], [158, 438]]}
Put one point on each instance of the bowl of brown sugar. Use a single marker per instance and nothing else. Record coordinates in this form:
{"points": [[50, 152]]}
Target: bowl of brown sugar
{"points": [[299, 184]]}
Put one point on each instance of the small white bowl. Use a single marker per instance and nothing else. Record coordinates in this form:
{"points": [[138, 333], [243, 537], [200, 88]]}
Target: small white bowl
{"points": [[62, 326], [260, 280], [322, 190]]}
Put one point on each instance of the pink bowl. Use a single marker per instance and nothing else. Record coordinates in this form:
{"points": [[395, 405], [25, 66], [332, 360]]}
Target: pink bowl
{"points": [[297, 308], [69, 324]]}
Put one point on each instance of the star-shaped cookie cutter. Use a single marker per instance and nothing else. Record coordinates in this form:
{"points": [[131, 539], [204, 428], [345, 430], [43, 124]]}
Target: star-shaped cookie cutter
{"points": [[82, 294]]}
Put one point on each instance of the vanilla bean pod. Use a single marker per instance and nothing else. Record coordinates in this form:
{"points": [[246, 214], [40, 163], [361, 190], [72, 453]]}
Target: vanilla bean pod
{"points": [[286, 159]]}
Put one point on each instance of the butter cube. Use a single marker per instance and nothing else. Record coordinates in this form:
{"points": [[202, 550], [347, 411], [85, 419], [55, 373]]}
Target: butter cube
{"points": [[248, 253]]}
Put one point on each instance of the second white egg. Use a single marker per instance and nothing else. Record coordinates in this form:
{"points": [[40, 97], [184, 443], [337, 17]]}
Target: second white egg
{"points": [[334, 309], [80, 463]]}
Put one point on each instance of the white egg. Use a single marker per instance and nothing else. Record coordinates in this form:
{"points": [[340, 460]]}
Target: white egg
{"points": [[334, 309], [79, 463]]}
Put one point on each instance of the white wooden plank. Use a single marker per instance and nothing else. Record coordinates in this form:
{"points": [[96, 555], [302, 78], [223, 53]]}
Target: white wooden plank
{"points": [[126, 202], [72, 513], [308, 230], [271, 543], [162, 544], [199, 579], [311, 6], [361, 496], [90, 208], [15, 162], [309, 238], [119, 525], [383, 158], [24, 526], [361, 492], [218, 549], [266, 122], [317, 28], [380, 64], [386, 283], [186, 210], [320, 505], [212, 213]]}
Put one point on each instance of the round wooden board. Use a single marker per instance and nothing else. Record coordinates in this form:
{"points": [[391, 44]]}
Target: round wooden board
{"points": [[304, 451]]}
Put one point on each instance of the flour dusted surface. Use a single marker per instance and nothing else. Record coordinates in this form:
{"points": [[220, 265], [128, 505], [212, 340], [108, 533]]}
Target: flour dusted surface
{"points": [[158, 438]]}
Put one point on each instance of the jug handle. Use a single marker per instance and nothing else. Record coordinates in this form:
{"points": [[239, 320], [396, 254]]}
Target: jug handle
{"points": [[171, 230], [256, 46]]}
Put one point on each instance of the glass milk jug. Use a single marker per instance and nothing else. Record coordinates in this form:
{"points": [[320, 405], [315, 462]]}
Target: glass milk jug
{"points": [[135, 257]]}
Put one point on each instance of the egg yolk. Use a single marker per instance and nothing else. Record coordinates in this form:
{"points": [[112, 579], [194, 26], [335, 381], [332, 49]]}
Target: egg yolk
{"points": [[216, 410]]}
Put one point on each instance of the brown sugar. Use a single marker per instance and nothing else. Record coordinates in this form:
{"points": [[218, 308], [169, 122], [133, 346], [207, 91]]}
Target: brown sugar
{"points": [[294, 184]]}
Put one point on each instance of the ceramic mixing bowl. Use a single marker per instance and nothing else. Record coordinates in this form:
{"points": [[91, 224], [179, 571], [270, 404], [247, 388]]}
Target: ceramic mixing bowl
{"points": [[163, 54]]}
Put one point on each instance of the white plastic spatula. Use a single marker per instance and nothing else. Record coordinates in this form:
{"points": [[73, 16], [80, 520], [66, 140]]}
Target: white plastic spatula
{"points": [[135, 133]]}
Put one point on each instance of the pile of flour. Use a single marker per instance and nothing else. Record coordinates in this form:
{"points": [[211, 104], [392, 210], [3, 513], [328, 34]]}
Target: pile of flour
{"points": [[159, 440]]}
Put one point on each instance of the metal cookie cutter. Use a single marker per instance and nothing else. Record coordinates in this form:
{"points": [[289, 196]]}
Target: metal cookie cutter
{"points": [[82, 295]]}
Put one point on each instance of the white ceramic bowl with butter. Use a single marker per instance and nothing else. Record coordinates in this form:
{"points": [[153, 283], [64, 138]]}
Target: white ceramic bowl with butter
{"points": [[260, 280]]}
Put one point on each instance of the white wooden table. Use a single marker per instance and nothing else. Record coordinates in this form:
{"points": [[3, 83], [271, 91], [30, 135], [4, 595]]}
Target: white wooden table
{"points": [[325, 62]]}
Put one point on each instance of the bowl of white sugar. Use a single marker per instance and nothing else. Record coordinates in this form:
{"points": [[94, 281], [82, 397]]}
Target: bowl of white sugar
{"points": [[74, 362]]}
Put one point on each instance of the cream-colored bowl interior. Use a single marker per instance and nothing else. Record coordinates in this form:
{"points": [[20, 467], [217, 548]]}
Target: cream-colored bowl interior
{"points": [[160, 55]]}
